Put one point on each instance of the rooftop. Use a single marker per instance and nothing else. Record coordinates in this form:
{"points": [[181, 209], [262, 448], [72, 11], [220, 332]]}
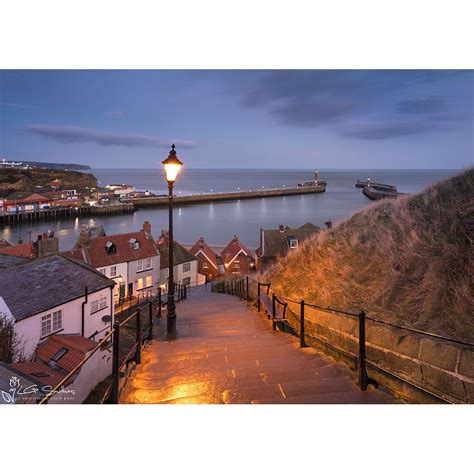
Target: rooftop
{"points": [[7, 261], [180, 254], [38, 285], [201, 247], [233, 248]]}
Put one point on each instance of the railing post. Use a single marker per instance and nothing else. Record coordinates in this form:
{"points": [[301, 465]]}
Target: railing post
{"points": [[159, 302], [363, 378], [302, 342], [114, 395], [150, 320], [258, 296], [247, 288], [273, 312], [138, 336]]}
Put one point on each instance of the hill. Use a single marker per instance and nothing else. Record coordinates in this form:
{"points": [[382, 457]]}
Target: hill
{"points": [[57, 166], [36, 179], [408, 261]]}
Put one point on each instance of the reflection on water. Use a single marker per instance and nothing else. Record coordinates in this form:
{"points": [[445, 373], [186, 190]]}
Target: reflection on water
{"points": [[218, 222]]}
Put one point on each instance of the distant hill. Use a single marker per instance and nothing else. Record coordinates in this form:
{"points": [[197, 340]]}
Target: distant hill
{"points": [[57, 166], [408, 261]]}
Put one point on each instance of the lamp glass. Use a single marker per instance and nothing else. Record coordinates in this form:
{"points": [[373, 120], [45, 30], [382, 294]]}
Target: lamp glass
{"points": [[172, 170]]}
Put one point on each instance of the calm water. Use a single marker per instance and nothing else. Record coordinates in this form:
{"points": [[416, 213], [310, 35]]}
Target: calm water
{"points": [[218, 222]]}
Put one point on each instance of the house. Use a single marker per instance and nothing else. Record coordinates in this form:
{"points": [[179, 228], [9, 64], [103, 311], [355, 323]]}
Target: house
{"points": [[55, 295], [207, 259], [24, 201], [184, 263], [45, 245], [276, 243], [131, 259], [237, 258], [121, 190]]}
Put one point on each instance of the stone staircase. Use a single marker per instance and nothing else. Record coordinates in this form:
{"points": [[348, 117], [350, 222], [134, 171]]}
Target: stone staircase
{"points": [[226, 352]]}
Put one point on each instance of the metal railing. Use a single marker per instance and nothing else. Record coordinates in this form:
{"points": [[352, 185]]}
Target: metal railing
{"points": [[121, 356], [361, 317]]}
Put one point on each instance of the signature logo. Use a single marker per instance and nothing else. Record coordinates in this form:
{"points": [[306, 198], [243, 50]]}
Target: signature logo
{"points": [[16, 390]]}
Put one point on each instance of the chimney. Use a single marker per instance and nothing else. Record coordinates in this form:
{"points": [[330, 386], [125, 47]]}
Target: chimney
{"points": [[45, 246], [20, 240], [147, 227], [328, 224], [281, 228]]}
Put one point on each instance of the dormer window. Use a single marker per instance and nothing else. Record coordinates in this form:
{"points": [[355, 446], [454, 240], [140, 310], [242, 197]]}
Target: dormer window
{"points": [[134, 244], [293, 243], [110, 248]]}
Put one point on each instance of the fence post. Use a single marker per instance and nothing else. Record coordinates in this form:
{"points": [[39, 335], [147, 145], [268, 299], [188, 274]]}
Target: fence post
{"points": [[138, 336], [114, 396], [258, 297], [150, 320], [159, 302], [302, 343], [363, 378], [247, 289]]}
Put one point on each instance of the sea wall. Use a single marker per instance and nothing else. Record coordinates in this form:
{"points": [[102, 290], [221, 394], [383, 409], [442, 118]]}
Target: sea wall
{"points": [[415, 367]]}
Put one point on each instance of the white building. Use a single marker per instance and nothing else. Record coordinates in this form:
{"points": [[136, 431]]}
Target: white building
{"points": [[132, 260], [55, 295]]}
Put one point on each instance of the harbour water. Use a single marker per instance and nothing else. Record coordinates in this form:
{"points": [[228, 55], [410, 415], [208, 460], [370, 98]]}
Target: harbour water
{"points": [[218, 222]]}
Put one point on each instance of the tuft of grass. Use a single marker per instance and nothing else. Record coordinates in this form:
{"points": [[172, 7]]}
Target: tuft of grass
{"points": [[409, 261]]}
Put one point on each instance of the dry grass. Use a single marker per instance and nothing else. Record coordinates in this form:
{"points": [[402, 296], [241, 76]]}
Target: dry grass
{"points": [[408, 261]]}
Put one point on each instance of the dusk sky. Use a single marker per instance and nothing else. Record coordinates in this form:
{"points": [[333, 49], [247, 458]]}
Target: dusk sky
{"points": [[240, 119]]}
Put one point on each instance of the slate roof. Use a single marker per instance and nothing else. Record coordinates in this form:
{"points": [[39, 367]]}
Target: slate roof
{"points": [[180, 254], [38, 285], [201, 247], [233, 248], [26, 196], [94, 251], [7, 261], [275, 242]]}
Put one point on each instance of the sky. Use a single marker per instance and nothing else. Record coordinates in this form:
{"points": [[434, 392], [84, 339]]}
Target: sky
{"points": [[282, 119]]}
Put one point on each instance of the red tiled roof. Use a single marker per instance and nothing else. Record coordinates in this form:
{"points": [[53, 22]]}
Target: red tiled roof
{"points": [[77, 348], [201, 247], [20, 250], [180, 254], [4, 243], [40, 372], [95, 254], [233, 248]]}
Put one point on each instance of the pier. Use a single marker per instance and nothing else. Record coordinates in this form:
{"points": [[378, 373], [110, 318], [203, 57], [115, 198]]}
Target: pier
{"points": [[160, 201]]}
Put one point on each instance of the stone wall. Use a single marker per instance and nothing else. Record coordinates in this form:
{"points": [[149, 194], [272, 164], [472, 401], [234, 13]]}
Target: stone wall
{"points": [[433, 367]]}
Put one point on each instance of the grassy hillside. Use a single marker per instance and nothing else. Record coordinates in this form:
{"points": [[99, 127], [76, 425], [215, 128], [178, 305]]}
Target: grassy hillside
{"points": [[409, 260]]}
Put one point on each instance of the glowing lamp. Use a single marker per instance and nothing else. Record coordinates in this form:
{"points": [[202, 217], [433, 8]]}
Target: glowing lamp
{"points": [[172, 165]]}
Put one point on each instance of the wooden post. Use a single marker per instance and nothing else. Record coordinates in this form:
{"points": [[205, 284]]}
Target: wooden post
{"points": [[159, 302], [273, 312], [114, 395], [363, 378], [247, 289], [302, 343], [138, 336], [258, 297]]}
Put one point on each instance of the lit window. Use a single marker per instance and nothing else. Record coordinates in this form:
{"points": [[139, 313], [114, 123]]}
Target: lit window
{"points": [[139, 265], [148, 263], [237, 264], [205, 265], [140, 284], [293, 243], [113, 271], [186, 267], [149, 281]]}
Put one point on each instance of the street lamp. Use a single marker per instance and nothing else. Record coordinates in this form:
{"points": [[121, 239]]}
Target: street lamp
{"points": [[172, 166]]}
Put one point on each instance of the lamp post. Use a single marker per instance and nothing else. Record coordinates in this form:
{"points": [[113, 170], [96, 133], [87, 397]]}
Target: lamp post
{"points": [[172, 166]]}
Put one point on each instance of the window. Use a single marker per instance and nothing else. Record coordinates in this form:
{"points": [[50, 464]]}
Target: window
{"points": [[205, 265], [186, 281], [110, 248], [148, 263], [57, 320], [45, 325], [51, 323], [59, 354], [140, 284], [103, 271], [186, 267], [139, 265], [149, 281], [293, 243], [237, 264], [134, 244], [99, 304], [113, 271]]}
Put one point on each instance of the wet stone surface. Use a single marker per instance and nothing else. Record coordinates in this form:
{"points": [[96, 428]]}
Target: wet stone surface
{"points": [[225, 352]]}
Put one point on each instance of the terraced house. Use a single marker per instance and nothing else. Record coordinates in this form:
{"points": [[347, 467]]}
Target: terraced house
{"points": [[132, 260]]}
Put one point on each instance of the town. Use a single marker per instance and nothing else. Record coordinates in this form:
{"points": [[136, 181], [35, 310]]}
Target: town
{"points": [[56, 307]]}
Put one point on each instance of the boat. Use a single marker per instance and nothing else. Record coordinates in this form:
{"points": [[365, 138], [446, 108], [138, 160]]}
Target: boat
{"points": [[378, 186], [315, 182]]}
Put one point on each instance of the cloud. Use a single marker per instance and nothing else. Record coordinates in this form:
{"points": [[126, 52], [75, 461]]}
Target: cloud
{"points": [[428, 105], [114, 114], [84, 135], [340, 98], [18, 106]]}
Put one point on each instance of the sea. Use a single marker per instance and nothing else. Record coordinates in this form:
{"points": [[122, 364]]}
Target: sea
{"points": [[219, 222]]}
